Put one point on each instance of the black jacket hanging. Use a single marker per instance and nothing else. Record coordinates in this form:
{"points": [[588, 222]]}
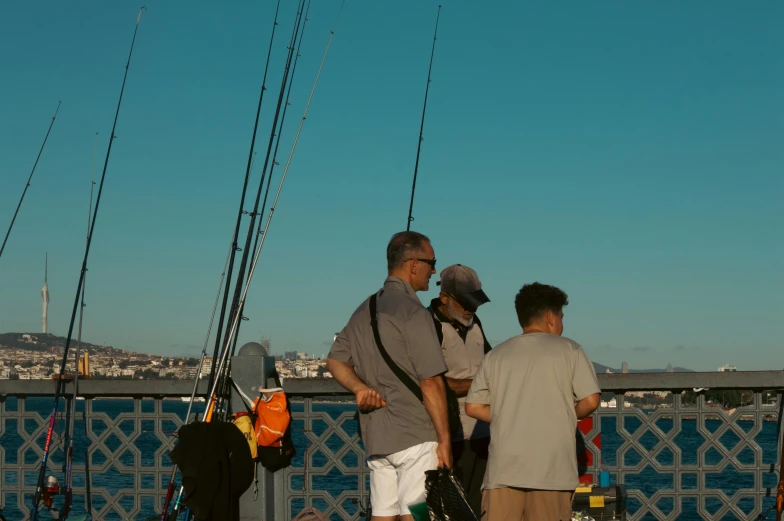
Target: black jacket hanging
{"points": [[216, 468]]}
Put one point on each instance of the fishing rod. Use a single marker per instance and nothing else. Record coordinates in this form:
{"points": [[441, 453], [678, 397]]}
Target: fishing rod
{"points": [[67, 492], [241, 211], [281, 94], [223, 387], [236, 319], [287, 104], [246, 250], [170, 489], [224, 391], [422, 124], [39, 490], [24, 192]]}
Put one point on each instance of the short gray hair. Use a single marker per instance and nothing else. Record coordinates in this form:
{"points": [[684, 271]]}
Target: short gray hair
{"points": [[402, 245]]}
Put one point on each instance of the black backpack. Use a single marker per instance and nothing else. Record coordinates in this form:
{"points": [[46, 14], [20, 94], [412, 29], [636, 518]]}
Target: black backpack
{"points": [[273, 458]]}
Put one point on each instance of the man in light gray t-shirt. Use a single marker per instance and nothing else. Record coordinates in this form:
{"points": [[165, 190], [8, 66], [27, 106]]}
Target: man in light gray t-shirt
{"points": [[533, 389]]}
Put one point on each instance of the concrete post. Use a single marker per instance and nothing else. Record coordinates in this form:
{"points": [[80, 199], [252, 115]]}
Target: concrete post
{"points": [[251, 370]]}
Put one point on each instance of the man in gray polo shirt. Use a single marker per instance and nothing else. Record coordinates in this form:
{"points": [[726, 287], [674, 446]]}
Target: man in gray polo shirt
{"points": [[403, 436], [533, 389]]}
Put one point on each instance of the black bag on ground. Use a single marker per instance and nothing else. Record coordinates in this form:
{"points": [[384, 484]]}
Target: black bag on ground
{"points": [[446, 499], [216, 468]]}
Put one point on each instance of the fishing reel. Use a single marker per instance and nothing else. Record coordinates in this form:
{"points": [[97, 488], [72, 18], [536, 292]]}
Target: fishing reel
{"points": [[51, 489]]}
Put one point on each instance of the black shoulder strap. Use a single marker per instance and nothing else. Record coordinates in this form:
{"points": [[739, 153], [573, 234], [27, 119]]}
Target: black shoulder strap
{"points": [[439, 327], [274, 379], [488, 347], [407, 381]]}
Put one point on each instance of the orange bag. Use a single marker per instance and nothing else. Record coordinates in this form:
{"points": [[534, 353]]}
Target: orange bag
{"points": [[272, 417]]}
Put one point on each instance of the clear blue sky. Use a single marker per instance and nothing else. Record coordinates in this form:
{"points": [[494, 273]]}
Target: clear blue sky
{"points": [[630, 153]]}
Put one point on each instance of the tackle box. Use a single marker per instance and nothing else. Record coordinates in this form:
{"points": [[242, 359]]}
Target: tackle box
{"points": [[601, 503]]}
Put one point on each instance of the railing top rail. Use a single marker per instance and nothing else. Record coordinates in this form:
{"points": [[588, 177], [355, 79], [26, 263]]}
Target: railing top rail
{"points": [[740, 380], [615, 382], [104, 388]]}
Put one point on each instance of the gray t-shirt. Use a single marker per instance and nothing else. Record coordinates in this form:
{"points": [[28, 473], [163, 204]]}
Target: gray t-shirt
{"points": [[409, 336], [531, 383]]}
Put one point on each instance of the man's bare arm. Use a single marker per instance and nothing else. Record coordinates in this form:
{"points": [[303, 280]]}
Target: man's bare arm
{"points": [[586, 406], [480, 411], [367, 399], [459, 386], [434, 395]]}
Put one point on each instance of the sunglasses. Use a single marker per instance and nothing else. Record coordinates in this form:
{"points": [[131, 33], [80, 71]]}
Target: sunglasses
{"points": [[431, 262]]}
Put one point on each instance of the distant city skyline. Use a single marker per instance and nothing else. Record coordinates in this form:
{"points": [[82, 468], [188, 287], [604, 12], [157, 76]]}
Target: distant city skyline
{"points": [[29, 357], [604, 365]]}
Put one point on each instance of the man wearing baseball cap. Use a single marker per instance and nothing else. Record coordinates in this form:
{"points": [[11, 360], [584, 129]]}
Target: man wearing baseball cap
{"points": [[464, 344]]}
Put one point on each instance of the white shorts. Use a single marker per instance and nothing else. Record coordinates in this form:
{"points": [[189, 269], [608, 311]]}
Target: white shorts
{"points": [[398, 480]]}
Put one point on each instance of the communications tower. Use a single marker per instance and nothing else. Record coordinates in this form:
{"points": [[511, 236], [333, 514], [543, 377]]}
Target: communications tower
{"points": [[45, 297]]}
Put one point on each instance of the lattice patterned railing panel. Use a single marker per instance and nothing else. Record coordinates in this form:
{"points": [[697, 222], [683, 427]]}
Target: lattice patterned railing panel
{"points": [[686, 462], [329, 471], [663, 457], [691, 461], [128, 454]]}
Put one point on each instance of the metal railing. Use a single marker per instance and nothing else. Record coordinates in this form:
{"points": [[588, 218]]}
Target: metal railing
{"points": [[686, 459]]}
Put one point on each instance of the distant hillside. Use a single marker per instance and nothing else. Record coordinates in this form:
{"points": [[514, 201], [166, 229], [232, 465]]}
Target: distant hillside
{"points": [[49, 343]]}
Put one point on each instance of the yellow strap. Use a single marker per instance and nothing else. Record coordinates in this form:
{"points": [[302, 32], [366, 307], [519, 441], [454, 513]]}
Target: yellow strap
{"points": [[583, 490]]}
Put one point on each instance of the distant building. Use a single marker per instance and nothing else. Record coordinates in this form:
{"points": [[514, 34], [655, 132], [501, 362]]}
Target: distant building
{"points": [[206, 367], [670, 369], [290, 355], [83, 365], [727, 369], [625, 367]]}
